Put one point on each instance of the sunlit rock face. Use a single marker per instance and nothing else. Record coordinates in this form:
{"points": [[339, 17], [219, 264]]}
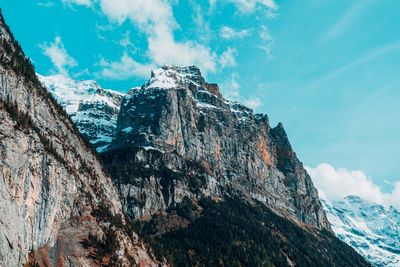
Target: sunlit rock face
{"points": [[51, 184], [180, 124]]}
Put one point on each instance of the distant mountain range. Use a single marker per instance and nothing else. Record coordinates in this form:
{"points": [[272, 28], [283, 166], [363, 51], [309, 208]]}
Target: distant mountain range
{"points": [[93, 109], [373, 230]]}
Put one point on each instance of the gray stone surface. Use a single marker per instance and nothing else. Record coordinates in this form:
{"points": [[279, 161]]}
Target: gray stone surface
{"points": [[179, 124]]}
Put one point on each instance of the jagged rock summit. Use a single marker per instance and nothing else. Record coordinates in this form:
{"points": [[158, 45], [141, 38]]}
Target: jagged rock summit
{"points": [[179, 122], [209, 182]]}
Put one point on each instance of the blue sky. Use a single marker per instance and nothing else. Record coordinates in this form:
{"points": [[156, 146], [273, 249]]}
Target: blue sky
{"points": [[329, 70]]}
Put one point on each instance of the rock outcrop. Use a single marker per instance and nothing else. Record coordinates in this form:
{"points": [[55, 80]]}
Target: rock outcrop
{"points": [[57, 206], [177, 136]]}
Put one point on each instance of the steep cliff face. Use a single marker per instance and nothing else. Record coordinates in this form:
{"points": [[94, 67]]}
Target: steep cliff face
{"points": [[93, 109], [177, 123], [54, 195]]}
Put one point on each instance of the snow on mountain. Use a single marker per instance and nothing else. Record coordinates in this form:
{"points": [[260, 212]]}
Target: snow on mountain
{"points": [[170, 76], [93, 109], [371, 229]]}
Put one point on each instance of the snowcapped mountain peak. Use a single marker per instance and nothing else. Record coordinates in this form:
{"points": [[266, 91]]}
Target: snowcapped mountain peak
{"points": [[372, 229], [92, 108], [70, 93], [170, 76]]}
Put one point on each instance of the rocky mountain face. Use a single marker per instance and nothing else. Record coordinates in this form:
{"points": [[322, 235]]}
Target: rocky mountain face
{"points": [[176, 198], [208, 183], [93, 109], [57, 206], [178, 124], [204, 181], [373, 230]]}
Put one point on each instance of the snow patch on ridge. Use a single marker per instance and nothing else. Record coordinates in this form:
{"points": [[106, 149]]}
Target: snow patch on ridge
{"points": [[169, 77]]}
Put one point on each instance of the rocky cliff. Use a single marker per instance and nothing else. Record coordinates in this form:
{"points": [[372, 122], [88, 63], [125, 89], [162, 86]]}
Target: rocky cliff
{"points": [[57, 206], [177, 136]]}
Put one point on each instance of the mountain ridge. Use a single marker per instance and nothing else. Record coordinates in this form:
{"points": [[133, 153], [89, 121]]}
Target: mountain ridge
{"points": [[177, 113], [373, 230]]}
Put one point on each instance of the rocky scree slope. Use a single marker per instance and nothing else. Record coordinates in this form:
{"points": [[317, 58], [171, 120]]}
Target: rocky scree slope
{"points": [[57, 206], [177, 136], [373, 230], [93, 109]]}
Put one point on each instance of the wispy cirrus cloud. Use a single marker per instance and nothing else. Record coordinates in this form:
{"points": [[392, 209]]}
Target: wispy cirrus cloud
{"points": [[266, 40], [247, 6], [360, 61], [47, 4], [348, 18], [231, 33], [231, 90], [87, 3], [59, 56], [227, 58]]}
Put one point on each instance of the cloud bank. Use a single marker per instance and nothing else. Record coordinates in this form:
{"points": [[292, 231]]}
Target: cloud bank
{"points": [[59, 56], [155, 18], [337, 183]]}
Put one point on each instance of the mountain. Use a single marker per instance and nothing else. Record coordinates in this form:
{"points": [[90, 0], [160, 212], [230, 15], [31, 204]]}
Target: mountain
{"points": [[93, 109], [179, 122], [374, 231], [207, 182], [194, 179], [57, 206]]}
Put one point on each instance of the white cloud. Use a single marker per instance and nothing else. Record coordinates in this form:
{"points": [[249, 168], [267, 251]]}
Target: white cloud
{"points": [[46, 4], [337, 183], [231, 33], [227, 58], [231, 88], [87, 3], [156, 20], [163, 49], [266, 40], [124, 68], [59, 56], [253, 103], [247, 6]]}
